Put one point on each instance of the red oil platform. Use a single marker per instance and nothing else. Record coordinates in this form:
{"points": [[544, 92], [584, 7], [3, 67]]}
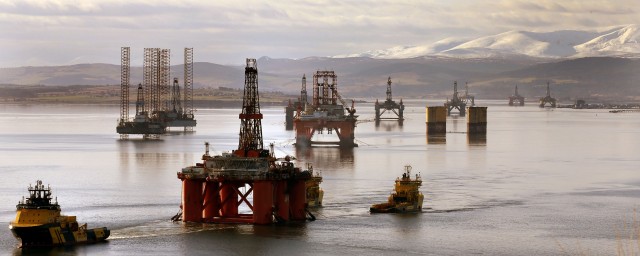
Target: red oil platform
{"points": [[391, 105], [272, 190], [516, 99], [325, 114]]}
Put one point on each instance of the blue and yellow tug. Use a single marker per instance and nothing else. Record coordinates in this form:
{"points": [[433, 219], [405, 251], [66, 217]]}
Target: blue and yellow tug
{"points": [[39, 222]]}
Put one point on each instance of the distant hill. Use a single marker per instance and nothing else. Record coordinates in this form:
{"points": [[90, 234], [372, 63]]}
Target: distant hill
{"points": [[208, 74], [621, 40], [420, 77], [604, 78]]}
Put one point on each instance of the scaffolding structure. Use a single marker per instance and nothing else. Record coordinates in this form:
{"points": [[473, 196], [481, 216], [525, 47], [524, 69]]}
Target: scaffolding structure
{"points": [[188, 81], [125, 79]]}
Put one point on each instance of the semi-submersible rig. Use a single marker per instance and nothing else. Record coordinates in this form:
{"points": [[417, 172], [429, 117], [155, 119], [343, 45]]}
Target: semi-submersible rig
{"points": [[322, 114], [212, 191]]}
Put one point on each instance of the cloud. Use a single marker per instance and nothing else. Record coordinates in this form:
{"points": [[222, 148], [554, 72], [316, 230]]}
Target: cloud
{"points": [[228, 30]]}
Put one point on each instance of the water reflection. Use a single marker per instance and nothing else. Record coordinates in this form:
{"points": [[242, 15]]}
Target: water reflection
{"points": [[437, 138], [326, 157], [149, 154], [475, 139], [455, 120], [389, 125], [63, 250], [180, 132]]}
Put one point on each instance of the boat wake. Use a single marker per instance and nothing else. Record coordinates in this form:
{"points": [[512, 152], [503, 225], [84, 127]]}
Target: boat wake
{"points": [[162, 228]]}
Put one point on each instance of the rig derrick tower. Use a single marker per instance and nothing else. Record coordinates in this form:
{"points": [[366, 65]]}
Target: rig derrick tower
{"points": [[250, 142], [456, 102], [293, 109], [516, 99], [303, 92], [389, 104], [176, 103], [548, 99]]}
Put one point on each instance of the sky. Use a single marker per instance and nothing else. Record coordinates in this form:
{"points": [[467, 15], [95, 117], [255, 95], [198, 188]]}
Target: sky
{"points": [[61, 32]]}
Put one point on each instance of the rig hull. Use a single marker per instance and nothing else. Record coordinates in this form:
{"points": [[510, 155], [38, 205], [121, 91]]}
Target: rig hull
{"points": [[214, 191], [48, 235]]}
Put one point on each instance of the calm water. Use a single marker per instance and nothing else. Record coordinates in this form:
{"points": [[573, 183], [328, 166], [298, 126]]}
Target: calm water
{"points": [[544, 181]]}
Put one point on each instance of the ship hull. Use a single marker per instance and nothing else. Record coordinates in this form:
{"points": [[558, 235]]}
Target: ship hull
{"points": [[49, 235]]}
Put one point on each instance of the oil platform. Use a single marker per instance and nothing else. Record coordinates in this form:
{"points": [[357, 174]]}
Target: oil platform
{"points": [[292, 110], [159, 106], [325, 114], [389, 104], [468, 98], [273, 190], [516, 99], [456, 102], [548, 99]]}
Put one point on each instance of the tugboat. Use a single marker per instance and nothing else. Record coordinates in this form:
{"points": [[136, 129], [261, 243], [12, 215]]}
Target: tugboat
{"points": [[406, 196], [39, 223], [314, 192]]}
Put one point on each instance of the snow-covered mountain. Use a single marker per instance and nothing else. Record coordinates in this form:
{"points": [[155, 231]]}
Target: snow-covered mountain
{"points": [[612, 41]]}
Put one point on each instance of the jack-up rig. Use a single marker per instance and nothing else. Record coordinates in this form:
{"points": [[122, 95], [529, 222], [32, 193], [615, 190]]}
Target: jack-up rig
{"points": [[456, 102], [158, 105], [389, 104], [516, 99], [548, 99], [214, 190], [324, 113]]}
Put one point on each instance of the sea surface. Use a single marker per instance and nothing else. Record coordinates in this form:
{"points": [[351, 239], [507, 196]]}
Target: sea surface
{"points": [[542, 182]]}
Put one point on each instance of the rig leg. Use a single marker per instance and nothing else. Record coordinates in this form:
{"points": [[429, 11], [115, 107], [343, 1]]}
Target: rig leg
{"points": [[229, 197], [298, 201], [262, 202], [211, 200], [191, 200], [282, 200]]}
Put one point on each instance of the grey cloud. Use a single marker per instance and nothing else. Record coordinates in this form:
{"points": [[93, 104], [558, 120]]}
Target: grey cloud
{"points": [[223, 31]]}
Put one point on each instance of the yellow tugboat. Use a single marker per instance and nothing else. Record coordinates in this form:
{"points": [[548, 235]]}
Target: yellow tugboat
{"points": [[314, 192], [39, 223], [406, 196]]}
